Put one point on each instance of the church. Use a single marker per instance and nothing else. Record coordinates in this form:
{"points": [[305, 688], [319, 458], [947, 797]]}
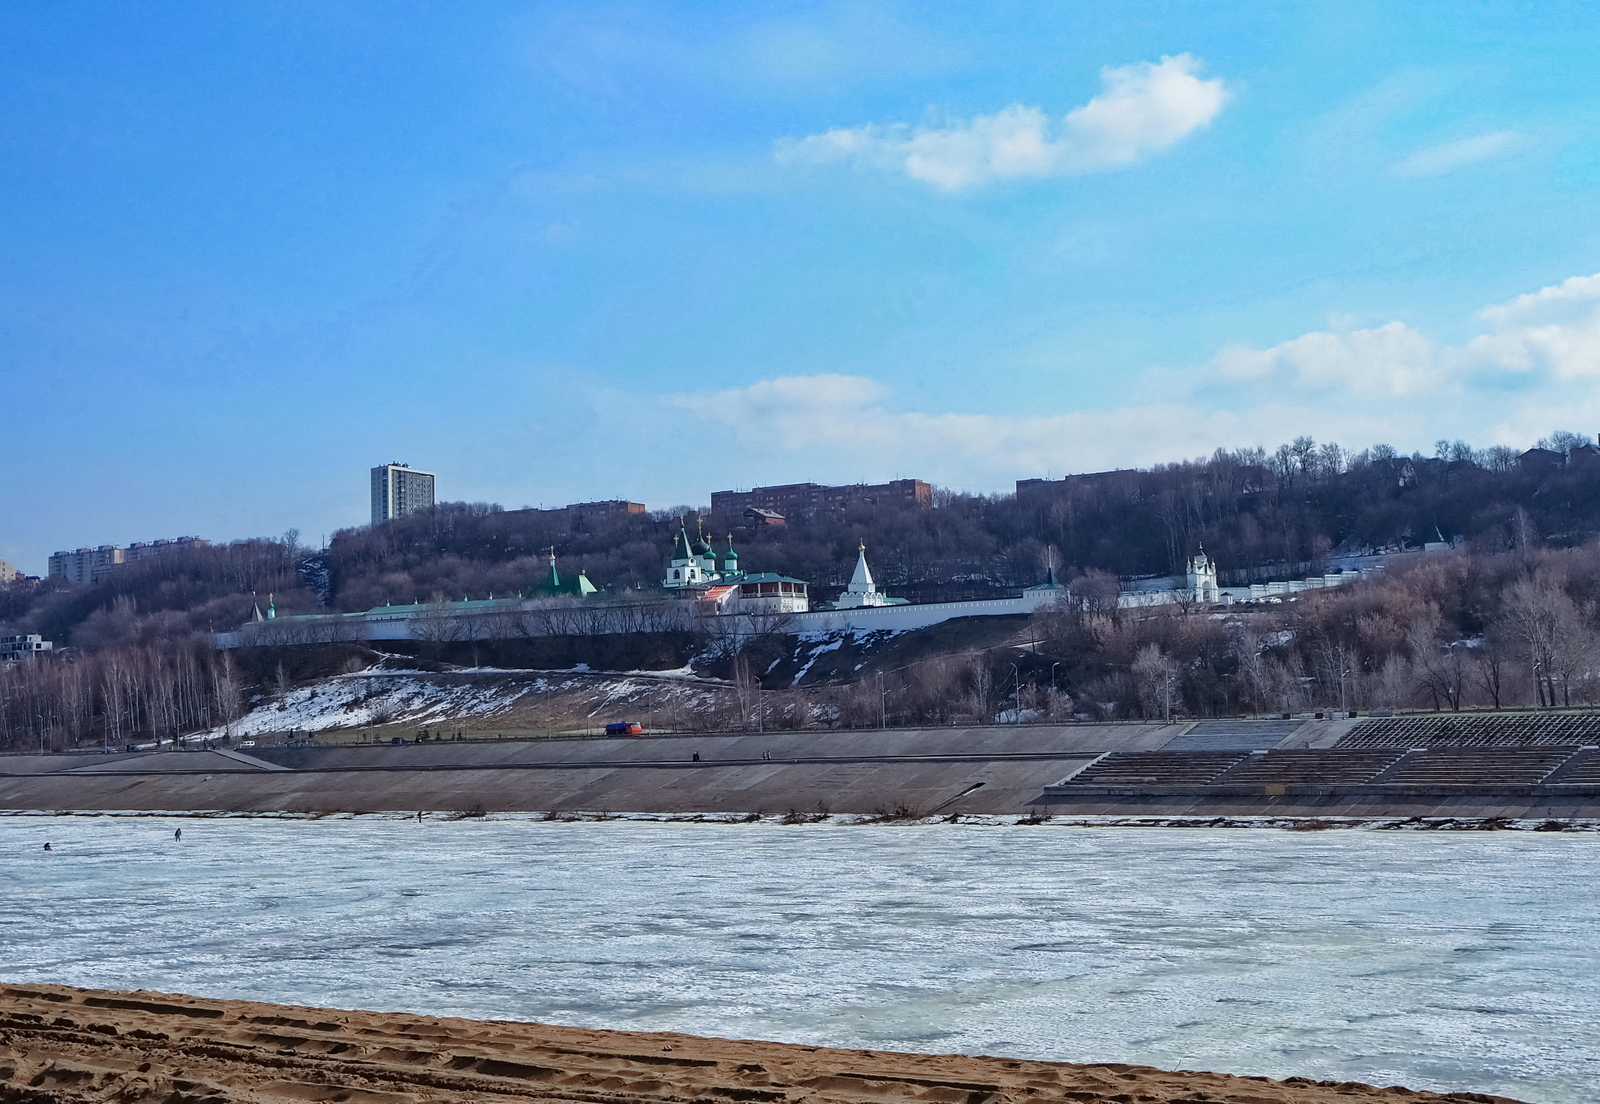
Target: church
{"points": [[694, 574], [694, 565], [1201, 580]]}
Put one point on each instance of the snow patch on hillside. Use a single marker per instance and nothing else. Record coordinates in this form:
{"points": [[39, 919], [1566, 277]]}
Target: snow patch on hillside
{"points": [[413, 698], [351, 701]]}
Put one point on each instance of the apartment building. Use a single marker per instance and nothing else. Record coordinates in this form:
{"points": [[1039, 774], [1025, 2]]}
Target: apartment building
{"points": [[87, 565], [610, 508], [90, 565], [144, 550], [398, 490], [810, 499]]}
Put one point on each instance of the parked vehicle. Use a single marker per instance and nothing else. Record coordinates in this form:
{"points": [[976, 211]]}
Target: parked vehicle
{"points": [[624, 728]]}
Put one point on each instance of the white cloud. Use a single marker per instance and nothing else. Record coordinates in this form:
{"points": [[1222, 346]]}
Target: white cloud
{"points": [[1582, 292], [1142, 108], [1450, 156], [1390, 360], [1550, 334], [842, 428], [790, 411], [1530, 372]]}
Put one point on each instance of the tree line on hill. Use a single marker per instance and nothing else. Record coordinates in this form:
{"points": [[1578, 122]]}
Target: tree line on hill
{"points": [[1256, 513], [1450, 632], [1517, 629]]}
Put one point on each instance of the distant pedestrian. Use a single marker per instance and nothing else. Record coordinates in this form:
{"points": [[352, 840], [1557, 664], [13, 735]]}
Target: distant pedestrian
{"points": [[697, 757], [178, 835], [47, 847]]}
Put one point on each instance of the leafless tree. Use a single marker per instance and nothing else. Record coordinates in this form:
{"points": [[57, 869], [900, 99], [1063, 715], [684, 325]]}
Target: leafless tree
{"points": [[1156, 676]]}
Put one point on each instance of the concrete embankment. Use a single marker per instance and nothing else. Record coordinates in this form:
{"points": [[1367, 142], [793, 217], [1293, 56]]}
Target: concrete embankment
{"points": [[990, 770], [907, 772]]}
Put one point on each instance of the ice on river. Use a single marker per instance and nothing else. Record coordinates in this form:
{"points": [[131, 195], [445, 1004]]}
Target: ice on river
{"points": [[1442, 961]]}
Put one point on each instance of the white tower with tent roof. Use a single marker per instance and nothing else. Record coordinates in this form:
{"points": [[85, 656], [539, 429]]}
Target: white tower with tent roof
{"points": [[862, 591]]}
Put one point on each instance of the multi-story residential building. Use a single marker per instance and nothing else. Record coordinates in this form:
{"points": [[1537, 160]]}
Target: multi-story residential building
{"points": [[90, 565], [575, 514], [810, 499], [398, 490], [610, 508], [8, 573], [87, 565], [144, 550], [1042, 492], [14, 648]]}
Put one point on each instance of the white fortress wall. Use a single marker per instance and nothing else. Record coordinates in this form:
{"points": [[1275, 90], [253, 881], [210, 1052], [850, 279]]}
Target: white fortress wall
{"points": [[603, 620]]}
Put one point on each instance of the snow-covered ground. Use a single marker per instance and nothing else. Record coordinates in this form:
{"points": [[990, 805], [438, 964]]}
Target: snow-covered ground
{"points": [[378, 697]]}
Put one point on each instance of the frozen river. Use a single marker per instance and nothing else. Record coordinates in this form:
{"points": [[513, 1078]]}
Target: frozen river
{"points": [[1434, 960]]}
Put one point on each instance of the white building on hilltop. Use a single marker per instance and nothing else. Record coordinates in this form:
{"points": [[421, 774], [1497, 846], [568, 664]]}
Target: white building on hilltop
{"points": [[862, 591], [1201, 581]]}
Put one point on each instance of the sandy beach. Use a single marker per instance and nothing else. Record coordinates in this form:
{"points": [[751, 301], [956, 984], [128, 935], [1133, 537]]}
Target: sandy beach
{"points": [[59, 1043]]}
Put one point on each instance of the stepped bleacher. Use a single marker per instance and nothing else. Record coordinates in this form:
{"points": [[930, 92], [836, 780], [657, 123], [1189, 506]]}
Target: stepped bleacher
{"points": [[1156, 768], [1582, 769], [1234, 735], [1314, 767], [1476, 730], [1480, 766]]}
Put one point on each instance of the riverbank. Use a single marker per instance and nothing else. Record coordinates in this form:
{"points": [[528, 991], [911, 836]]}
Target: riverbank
{"points": [[60, 1044], [1186, 772], [887, 818]]}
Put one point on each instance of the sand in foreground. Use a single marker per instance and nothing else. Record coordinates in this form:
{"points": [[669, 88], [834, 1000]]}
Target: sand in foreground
{"points": [[59, 1043]]}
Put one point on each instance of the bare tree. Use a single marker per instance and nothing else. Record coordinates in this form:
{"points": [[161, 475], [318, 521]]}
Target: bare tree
{"points": [[1438, 667], [1488, 659], [1156, 676]]}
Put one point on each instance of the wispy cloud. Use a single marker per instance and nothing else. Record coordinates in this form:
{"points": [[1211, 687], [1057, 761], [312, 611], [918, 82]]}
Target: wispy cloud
{"points": [[1142, 108], [1552, 334], [1389, 360], [1575, 294], [846, 427], [1531, 371], [1450, 156]]}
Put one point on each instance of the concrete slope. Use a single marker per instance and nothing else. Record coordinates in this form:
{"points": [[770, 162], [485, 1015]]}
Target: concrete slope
{"points": [[163, 763], [912, 785], [1071, 740], [990, 770]]}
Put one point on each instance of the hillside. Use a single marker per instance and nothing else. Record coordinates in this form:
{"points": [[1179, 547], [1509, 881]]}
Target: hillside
{"points": [[1258, 515], [1513, 619]]}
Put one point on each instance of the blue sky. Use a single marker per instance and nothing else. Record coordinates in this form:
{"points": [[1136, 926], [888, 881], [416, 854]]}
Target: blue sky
{"points": [[563, 252]]}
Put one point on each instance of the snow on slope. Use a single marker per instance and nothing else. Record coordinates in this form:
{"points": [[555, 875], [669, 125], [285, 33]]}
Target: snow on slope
{"points": [[413, 698]]}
